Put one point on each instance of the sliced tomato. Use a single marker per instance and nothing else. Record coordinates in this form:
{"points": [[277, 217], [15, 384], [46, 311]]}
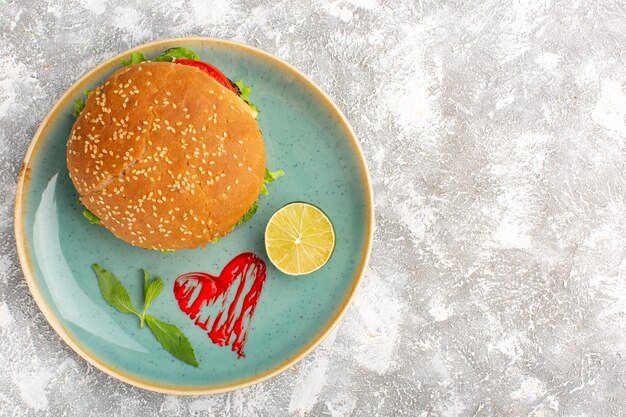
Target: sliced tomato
{"points": [[211, 71]]}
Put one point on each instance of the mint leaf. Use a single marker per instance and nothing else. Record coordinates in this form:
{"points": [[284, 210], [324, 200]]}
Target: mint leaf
{"points": [[152, 292], [249, 213], [79, 105], [121, 300], [135, 58], [93, 219], [245, 91], [170, 336], [113, 291], [173, 340], [173, 54], [271, 176], [146, 281]]}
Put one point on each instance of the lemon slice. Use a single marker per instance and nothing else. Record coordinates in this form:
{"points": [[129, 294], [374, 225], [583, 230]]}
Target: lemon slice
{"points": [[299, 239]]}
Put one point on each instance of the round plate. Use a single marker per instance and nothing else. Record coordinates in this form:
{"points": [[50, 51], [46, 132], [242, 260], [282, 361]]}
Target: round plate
{"points": [[305, 135]]}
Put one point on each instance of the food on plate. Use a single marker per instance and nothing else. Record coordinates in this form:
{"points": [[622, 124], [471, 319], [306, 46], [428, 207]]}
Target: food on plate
{"points": [[169, 335], [299, 238], [167, 154], [208, 300]]}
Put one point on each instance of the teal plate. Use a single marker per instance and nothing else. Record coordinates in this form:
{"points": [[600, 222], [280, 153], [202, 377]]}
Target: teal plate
{"points": [[305, 135]]}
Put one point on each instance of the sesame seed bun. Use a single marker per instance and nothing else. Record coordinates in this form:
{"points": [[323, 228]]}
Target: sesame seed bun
{"points": [[166, 156]]}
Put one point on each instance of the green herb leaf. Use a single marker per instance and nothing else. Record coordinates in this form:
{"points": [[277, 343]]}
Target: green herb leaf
{"points": [[245, 95], [173, 54], [170, 336], [168, 250], [135, 58], [79, 105], [264, 189], [173, 340], [113, 291], [146, 281], [271, 176], [93, 219], [217, 239], [249, 213], [152, 292]]}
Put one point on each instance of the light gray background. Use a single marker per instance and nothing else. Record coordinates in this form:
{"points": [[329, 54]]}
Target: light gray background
{"points": [[495, 135]]}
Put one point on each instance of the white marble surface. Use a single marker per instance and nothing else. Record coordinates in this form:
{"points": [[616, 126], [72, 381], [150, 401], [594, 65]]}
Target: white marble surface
{"points": [[495, 134]]}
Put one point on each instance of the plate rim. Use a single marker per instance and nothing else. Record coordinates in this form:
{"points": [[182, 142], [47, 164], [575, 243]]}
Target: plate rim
{"points": [[26, 260]]}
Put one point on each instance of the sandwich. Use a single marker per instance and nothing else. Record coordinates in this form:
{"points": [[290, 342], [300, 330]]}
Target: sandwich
{"points": [[167, 154]]}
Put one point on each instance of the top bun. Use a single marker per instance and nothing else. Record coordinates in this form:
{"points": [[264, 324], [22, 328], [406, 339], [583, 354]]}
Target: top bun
{"points": [[166, 156]]}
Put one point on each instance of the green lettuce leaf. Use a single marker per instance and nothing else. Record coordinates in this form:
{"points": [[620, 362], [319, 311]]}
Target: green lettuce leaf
{"points": [[135, 58], [173, 54], [271, 176], [93, 219], [245, 95], [79, 104], [245, 90], [249, 213]]}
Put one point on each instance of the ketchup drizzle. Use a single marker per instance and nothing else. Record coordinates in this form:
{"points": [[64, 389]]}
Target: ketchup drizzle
{"points": [[200, 293]]}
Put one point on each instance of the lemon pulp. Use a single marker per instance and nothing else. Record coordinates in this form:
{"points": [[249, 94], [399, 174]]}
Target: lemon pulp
{"points": [[299, 238]]}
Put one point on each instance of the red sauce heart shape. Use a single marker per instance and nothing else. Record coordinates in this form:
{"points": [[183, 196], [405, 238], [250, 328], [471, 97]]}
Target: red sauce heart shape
{"points": [[221, 312]]}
